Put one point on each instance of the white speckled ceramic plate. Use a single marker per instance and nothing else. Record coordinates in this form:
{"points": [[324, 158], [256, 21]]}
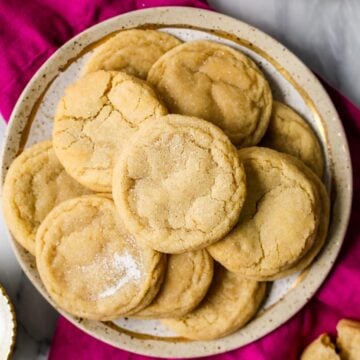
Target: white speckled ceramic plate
{"points": [[291, 81]]}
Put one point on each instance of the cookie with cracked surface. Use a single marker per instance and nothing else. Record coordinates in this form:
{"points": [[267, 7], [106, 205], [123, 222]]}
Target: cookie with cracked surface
{"points": [[89, 263], [34, 184], [321, 348], [187, 279], [94, 120], [214, 82], [348, 339], [289, 133], [279, 221], [324, 210], [132, 51], [231, 302], [179, 185]]}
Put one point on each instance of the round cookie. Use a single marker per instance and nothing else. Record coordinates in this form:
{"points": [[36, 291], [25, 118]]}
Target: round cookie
{"points": [[324, 211], [94, 121], [132, 51], [348, 340], [279, 221], [320, 349], [230, 303], [34, 184], [216, 83], [187, 279], [90, 265], [179, 186], [289, 133]]}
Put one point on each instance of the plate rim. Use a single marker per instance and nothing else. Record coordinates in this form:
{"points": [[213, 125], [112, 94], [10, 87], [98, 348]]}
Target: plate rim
{"points": [[162, 15]]}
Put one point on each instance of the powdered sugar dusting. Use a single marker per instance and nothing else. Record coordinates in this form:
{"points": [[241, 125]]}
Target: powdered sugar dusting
{"points": [[123, 263], [108, 273]]}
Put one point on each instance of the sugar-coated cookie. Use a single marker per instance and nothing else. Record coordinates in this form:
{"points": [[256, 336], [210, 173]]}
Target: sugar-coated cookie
{"points": [[279, 220], [289, 133], [324, 210], [179, 185], [90, 265], [320, 349], [230, 303], [214, 82], [348, 339], [34, 184], [94, 121], [187, 279], [132, 51]]}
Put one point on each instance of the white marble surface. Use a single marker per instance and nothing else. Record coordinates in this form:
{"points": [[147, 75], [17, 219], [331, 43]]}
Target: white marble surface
{"points": [[323, 33]]}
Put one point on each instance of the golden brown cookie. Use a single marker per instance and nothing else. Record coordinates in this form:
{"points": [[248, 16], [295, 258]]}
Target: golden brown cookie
{"points": [[324, 210], [90, 265], [348, 340], [94, 121], [230, 303], [289, 133], [132, 51], [279, 221], [320, 349], [179, 185], [187, 279], [214, 82], [34, 184]]}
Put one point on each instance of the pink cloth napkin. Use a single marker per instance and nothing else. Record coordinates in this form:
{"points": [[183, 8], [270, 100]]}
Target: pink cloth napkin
{"points": [[30, 32]]}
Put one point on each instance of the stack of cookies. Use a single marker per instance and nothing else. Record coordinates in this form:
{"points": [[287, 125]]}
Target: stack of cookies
{"points": [[153, 173]]}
